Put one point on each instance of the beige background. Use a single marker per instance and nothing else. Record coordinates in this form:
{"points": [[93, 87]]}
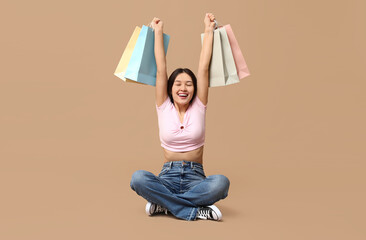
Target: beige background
{"points": [[290, 137]]}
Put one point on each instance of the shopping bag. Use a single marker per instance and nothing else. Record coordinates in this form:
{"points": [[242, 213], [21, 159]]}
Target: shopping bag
{"points": [[222, 70], [216, 68], [126, 56], [231, 75], [142, 65], [240, 63]]}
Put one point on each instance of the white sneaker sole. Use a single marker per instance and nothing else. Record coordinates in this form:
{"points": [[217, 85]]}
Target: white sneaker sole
{"points": [[217, 212], [147, 208]]}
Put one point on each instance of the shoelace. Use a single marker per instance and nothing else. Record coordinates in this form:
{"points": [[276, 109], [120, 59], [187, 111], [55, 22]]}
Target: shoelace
{"points": [[204, 213], [160, 209]]}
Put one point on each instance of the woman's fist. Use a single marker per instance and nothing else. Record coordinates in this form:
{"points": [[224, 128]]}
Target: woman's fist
{"points": [[156, 24], [209, 21]]}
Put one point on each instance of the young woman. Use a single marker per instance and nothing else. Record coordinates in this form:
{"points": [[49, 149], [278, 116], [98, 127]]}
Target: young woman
{"points": [[182, 187]]}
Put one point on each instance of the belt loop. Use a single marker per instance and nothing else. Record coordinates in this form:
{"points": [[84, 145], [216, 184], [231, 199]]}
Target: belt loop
{"points": [[191, 165], [170, 164]]}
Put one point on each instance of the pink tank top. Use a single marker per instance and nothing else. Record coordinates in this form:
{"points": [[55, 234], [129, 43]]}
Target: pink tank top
{"points": [[181, 137]]}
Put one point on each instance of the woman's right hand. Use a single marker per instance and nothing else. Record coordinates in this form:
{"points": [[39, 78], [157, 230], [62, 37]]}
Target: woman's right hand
{"points": [[157, 24]]}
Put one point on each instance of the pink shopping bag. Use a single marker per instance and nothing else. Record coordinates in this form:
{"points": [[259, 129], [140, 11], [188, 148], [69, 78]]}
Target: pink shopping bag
{"points": [[240, 64]]}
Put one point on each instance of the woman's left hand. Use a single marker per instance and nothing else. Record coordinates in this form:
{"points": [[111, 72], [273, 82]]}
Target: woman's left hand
{"points": [[209, 22]]}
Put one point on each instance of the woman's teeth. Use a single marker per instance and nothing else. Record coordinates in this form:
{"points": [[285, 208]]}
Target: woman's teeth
{"points": [[182, 95]]}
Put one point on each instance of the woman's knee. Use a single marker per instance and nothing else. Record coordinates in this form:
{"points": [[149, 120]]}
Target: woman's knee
{"points": [[222, 184], [139, 178]]}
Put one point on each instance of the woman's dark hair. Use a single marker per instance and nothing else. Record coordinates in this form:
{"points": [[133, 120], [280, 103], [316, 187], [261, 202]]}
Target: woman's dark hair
{"points": [[172, 78]]}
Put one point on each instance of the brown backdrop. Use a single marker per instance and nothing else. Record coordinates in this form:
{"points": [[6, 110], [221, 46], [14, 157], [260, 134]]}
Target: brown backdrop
{"points": [[290, 137]]}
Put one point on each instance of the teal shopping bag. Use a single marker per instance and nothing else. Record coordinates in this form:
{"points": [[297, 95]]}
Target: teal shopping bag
{"points": [[142, 65]]}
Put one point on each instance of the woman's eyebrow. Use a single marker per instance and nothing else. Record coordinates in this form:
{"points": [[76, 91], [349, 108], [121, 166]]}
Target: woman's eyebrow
{"points": [[180, 80]]}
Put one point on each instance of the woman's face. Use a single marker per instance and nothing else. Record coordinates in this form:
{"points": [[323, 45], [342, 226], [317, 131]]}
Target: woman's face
{"points": [[183, 88]]}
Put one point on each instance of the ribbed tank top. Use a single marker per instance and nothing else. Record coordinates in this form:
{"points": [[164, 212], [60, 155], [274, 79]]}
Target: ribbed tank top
{"points": [[182, 137]]}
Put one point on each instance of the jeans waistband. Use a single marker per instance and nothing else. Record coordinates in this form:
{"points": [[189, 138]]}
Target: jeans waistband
{"points": [[182, 163]]}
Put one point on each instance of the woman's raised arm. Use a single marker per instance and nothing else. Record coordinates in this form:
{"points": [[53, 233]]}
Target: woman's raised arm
{"points": [[161, 74], [205, 58]]}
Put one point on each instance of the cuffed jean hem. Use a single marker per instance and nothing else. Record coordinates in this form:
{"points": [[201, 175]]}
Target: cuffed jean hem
{"points": [[192, 216]]}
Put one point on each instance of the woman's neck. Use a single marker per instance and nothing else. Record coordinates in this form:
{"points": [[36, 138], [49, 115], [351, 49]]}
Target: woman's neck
{"points": [[181, 108]]}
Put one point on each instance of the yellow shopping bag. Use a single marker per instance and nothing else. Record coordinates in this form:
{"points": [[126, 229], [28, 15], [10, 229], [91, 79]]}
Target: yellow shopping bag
{"points": [[123, 63]]}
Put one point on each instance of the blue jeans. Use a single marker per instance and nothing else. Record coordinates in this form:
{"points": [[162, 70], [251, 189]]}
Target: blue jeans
{"points": [[181, 187]]}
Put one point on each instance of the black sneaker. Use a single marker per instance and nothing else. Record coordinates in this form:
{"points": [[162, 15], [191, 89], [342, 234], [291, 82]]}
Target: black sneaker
{"points": [[152, 208], [209, 212]]}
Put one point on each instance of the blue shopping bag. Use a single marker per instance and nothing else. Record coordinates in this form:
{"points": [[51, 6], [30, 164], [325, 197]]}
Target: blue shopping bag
{"points": [[142, 65]]}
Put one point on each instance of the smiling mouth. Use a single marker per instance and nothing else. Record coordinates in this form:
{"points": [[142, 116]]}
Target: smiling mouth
{"points": [[183, 95]]}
